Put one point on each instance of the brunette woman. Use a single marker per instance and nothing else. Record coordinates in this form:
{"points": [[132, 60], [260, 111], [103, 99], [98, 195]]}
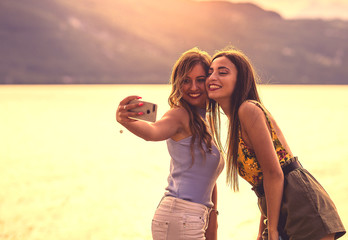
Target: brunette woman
{"points": [[294, 205]]}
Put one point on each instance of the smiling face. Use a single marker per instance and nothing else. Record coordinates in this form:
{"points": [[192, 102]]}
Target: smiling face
{"points": [[193, 87], [221, 81]]}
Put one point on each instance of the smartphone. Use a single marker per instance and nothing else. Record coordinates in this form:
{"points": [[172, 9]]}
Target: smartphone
{"points": [[149, 110]]}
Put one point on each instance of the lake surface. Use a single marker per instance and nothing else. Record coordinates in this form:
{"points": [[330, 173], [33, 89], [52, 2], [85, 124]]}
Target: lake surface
{"points": [[69, 171]]}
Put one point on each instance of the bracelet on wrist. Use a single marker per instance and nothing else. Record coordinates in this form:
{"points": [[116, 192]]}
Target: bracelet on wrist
{"points": [[215, 210]]}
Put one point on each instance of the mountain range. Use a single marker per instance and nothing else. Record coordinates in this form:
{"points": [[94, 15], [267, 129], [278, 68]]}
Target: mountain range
{"points": [[138, 41]]}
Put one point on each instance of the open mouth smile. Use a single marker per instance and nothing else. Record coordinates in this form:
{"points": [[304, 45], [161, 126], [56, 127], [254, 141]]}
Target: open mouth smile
{"points": [[213, 87], [195, 95]]}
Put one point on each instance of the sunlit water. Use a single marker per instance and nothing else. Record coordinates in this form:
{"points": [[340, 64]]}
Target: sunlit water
{"points": [[68, 173]]}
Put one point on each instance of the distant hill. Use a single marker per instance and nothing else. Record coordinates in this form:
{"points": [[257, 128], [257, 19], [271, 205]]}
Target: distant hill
{"points": [[137, 41]]}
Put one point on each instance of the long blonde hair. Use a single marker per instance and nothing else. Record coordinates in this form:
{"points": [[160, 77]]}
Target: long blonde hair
{"points": [[245, 89], [183, 66]]}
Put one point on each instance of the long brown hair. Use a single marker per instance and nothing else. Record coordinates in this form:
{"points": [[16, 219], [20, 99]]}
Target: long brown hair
{"points": [[245, 89], [187, 61]]}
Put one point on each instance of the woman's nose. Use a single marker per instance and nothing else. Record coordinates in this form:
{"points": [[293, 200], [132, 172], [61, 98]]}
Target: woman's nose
{"points": [[194, 86], [211, 76]]}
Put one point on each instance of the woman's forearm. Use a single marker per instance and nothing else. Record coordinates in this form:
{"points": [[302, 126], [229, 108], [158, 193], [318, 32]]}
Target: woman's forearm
{"points": [[141, 129], [211, 232], [273, 185]]}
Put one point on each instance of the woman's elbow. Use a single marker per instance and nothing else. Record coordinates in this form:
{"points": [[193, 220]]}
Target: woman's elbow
{"points": [[147, 139], [279, 175], [275, 174]]}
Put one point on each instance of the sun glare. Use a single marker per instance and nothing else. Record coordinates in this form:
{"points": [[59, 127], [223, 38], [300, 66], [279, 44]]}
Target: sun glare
{"points": [[326, 9]]}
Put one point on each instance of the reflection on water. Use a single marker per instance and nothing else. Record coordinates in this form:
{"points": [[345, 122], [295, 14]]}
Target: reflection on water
{"points": [[67, 171]]}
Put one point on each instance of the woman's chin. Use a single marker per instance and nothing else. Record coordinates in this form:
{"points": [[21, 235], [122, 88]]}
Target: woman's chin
{"points": [[212, 96]]}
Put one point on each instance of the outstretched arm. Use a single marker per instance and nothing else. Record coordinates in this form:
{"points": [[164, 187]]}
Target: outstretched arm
{"points": [[166, 127]]}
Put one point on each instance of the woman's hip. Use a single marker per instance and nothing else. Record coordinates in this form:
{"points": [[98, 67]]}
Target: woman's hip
{"points": [[179, 219]]}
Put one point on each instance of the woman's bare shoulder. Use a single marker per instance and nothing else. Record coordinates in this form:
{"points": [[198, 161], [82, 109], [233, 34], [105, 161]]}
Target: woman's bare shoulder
{"points": [[178, 114], [177, 111], [249, 110]]}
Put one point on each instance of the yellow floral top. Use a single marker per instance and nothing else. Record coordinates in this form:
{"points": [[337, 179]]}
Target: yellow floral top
{"points": [[248, 166]]}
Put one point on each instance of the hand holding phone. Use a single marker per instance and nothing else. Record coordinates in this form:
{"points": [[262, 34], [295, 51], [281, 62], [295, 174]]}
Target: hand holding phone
{"points": [[149, 110]]}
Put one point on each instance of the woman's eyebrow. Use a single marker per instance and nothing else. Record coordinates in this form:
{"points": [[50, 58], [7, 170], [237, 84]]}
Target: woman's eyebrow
{"points": [[202, 76], [221, 67]]}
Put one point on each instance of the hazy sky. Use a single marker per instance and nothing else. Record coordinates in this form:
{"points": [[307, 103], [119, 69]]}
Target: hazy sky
{"points": [[327, 9]]}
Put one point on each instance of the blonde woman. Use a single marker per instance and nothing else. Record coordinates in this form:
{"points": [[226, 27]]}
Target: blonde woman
{"points": [[189, 203]]}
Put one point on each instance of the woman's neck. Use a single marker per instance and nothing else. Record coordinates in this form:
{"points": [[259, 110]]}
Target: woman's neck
{"points": [[226, 106]]}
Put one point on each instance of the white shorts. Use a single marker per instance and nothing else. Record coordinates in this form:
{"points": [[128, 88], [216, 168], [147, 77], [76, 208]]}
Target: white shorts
{"points": [[177, 219]]}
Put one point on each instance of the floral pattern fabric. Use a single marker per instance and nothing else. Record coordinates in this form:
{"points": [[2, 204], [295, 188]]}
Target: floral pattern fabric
{"points": [[248, 166]]}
